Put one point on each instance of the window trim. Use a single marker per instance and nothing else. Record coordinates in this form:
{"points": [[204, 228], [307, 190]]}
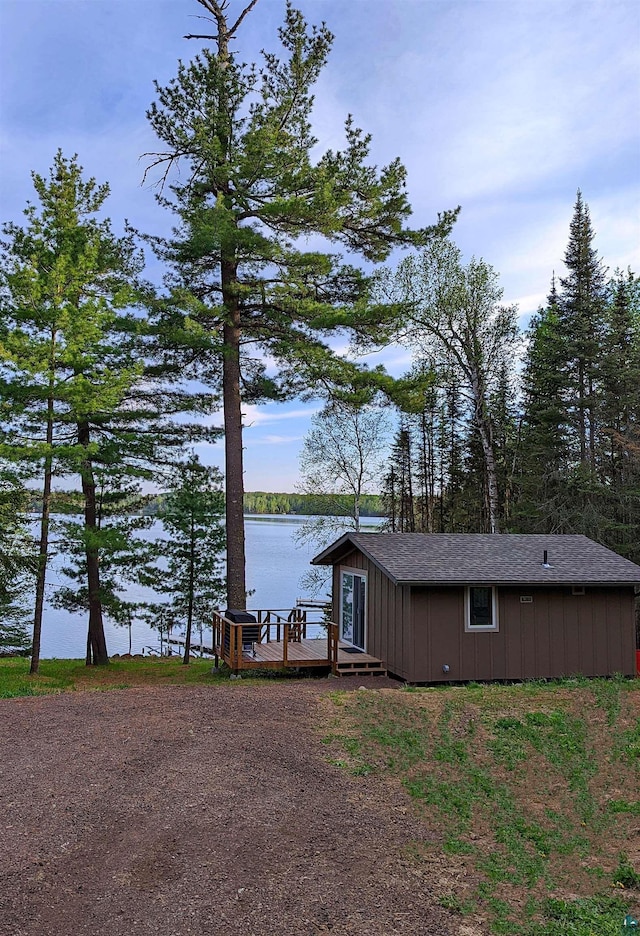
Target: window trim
{"points": [[470, 628]]}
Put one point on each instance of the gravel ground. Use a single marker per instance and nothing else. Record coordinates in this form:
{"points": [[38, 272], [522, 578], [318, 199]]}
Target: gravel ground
{"points": [[174, 810]]}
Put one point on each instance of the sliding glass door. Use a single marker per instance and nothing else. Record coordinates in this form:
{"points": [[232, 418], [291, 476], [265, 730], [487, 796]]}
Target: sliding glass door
{"points": [[353, 602]]}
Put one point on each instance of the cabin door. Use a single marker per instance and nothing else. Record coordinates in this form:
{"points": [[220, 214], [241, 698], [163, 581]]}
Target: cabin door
{"points": [[353, 601]]}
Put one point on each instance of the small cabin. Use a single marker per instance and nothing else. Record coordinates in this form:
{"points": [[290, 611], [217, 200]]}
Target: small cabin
{"points": [[456, 607]]}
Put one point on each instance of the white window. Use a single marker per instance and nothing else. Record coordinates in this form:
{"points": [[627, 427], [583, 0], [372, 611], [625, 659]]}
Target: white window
{"points": [[481, 609]]}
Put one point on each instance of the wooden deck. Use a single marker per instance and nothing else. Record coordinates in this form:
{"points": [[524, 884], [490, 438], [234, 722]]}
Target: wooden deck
{"points": [[279, 642], [311, 652], [305, 652]]}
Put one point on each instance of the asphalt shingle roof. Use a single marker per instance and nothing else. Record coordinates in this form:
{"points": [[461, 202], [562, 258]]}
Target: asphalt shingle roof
{"points": [[487, 558]]}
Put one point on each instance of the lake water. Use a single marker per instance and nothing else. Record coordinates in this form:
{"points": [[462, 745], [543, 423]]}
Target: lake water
{"points": [[275, 566]]}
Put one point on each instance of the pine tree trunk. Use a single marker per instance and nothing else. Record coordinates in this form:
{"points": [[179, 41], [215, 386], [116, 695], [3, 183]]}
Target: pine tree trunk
{"points": [[232, 402], [582, 422], [43, 555], [192, 562], [97, 645], [42, 563], [234, 476]]}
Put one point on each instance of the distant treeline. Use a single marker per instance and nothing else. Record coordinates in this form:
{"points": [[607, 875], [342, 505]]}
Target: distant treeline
{"points": [[255, 502], [265, 502]]}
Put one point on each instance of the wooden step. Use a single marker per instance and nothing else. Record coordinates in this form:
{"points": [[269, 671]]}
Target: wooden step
{"points": [[368, 669]]}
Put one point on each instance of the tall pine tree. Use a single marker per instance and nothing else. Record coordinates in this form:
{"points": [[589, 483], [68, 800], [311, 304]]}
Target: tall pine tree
{"points": [[581, 305], [67, 281], [581, 406], [81, 395], [252, 190], [544, 456], [619, 414]]}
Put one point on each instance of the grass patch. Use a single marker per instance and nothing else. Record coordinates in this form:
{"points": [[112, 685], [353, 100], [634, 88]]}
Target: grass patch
{"points": [[74, 675], [526, 787], [625, 874]]}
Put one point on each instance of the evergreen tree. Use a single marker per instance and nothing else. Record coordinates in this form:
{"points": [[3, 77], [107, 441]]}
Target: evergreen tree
{"points": [[503, 406], [578, 457], [17, 563], [191, 570], [397, 488], [619, 414], [452, 436], [415, 396], [251, 192], [80, 395], [65, 277], [544, 456], [581, 315], [125, 554], [425, 473]]}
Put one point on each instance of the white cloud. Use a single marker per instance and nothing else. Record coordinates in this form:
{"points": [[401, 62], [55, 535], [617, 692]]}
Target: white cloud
{"points": [[505, 107], [255, 417], [278, 440]]}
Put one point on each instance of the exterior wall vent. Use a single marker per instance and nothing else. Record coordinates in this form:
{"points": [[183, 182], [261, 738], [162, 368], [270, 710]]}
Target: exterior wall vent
{"points": [[526, 599], [577, 589]]}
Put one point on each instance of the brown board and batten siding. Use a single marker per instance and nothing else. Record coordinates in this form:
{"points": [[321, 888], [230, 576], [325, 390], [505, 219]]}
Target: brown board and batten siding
{"points": [[556, 634], [563, 634], [565, 604]]}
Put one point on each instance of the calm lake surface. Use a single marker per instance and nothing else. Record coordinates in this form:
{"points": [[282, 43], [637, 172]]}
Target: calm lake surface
{"points": [[275, 566]]}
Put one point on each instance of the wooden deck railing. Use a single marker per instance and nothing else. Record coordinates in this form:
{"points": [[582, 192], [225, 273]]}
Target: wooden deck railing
{"points": [[246, 645]]}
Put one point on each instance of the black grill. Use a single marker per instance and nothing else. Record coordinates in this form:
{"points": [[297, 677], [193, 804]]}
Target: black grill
{"points": [[250, 635]]}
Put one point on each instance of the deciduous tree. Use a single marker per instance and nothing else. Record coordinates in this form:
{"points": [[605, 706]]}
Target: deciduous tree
{"points": [[450, 314], [341, 461]]}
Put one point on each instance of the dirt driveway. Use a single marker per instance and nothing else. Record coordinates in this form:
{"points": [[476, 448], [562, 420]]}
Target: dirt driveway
{"points": [[207, 811]]}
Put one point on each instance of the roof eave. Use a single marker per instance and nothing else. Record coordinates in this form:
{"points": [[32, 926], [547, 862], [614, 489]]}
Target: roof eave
{"points": [[516, 583]]}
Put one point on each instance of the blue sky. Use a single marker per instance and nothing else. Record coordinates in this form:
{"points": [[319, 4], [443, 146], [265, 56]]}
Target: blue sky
{"points": [[503, 107]]}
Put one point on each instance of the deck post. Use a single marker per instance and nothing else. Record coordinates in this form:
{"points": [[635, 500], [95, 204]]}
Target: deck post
{"points": [[234, 647], [285, 646], [332, 630]]}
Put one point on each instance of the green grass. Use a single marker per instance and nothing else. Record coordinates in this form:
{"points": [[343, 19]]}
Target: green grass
{"points": [[74, 675], [516, 781]]}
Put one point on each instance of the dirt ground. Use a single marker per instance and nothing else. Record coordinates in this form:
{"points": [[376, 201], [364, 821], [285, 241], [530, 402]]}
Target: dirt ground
{"points": [[172, 811]]}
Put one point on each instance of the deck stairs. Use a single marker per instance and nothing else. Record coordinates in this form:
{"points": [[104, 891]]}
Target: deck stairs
{"points": [[358, 664]]}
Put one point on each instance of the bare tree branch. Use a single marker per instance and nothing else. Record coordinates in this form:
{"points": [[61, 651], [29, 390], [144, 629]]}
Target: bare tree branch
{"points": [[235, 26], [218, 11]]}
